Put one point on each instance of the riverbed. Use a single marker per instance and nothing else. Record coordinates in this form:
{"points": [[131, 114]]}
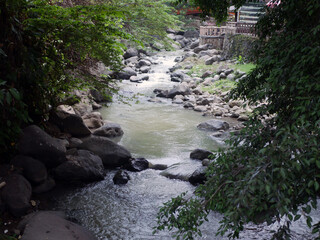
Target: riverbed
{"points": [[163, 133]]}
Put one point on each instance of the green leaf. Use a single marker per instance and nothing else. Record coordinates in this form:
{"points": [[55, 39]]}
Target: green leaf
{"points": [[15, 93]]}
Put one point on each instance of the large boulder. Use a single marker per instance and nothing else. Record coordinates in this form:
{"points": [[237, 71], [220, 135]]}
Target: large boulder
{"points": [[214, 125], [121, 177], [131, 52], [109, 130], [37, 143], [46, 186], [51, 225], [181, 89], [200, 154], [16, 194], [65, 118], [98, 96], [201, 48], [137, 164], [198, 176], [93, 120], [180, 171], [112, 154], [82, 166], [82, 108], [32, 169], [75, 125], [126, 73], [191, 34], [178, 75]]}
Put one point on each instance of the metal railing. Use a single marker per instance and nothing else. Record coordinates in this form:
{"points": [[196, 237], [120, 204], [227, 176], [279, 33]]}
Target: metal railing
{"points": [[231, 27]]}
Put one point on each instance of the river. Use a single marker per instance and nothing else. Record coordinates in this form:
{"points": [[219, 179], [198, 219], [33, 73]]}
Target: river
{"points": [[162, 133]]}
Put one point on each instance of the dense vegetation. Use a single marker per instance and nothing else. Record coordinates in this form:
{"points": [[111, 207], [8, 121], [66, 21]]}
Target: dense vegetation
{"points": [[47, 48], [271, 171]]}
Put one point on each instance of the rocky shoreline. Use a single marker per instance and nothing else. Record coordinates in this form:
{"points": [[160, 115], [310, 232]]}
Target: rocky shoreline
{"points": [[79, 148]]}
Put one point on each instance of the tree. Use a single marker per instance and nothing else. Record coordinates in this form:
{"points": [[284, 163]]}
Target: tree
{"points": [[272, 168], [47, 48]]}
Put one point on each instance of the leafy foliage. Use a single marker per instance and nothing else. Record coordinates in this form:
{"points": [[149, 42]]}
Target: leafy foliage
{"points": [[47, 48], [273, 167]]}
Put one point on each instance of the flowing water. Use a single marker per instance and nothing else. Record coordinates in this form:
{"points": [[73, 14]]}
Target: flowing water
{"points": [[162, 133]]}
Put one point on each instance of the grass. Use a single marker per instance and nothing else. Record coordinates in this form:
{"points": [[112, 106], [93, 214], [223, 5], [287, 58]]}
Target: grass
{"points": [[223, 85], [243, 67]]}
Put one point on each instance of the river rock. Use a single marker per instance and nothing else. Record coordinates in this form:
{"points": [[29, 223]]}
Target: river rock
{"points": [[74, 142], [93, 120], [109, 130], [200, 108], [131, 52], [121, 177], [144, 62], [32, 169], [158, 166], [243, 118], [75, 125], [112, 154], [178, 74], [50, 225], [82, 166], [181, 89], [200, 154], [181, 171], [16, 194], [66, 119], [163, 93], [137, 164], [145, 69], [201, 48], [214, 125], [46, 186], [198, 176], [38, 144], [177, 101], [135, 79], [210, 61], [126, 73], [206, 74], [82, 108], [194, 44]]}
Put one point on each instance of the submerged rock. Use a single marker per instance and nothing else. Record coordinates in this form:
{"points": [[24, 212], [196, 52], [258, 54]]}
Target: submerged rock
{"points": [[200, 154], [121, 177], [198, 176], [214, 125], [137, 164], [109, 130]]}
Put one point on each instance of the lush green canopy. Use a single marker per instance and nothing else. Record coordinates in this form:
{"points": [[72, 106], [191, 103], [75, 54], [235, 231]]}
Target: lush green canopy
{"points": [[47, 48], [273, 167]]}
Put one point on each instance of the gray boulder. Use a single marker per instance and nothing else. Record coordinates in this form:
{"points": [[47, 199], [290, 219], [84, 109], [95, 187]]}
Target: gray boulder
{"points": [[126, 73], [83, 166], [37, 143], [121, 177], [214, 125], [32, 169], [194, 44], [191, 34], [145, 69], [201, 48], [46, 186], [51, 225], [16, 194], [137, 164], [112, 154], [135, 79], [198, 176], [144, 62], [181, 171], [98, 96], [109, 130], [131, 52], [181, 89], [200, 154], [206, 74], [74, 125], [82, 108], [93, 120], [210, 61], [200, 108], [178, 74]]}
